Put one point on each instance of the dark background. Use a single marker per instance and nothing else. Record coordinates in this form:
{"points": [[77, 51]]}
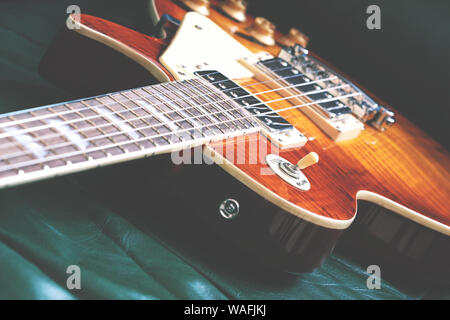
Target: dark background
{"points": [[406, 63]]}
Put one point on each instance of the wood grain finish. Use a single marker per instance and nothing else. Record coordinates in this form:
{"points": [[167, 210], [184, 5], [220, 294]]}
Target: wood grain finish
{"points": [[237, 29], [403, 164], [140, 47]]}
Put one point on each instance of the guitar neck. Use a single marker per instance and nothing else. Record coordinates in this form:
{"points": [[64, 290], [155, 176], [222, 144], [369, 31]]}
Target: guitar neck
{"points": [[74, 136]]}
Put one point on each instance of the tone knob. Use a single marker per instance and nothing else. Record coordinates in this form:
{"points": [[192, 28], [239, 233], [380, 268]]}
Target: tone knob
{"points": [[201, 6], [263, 31], [294, 37], [235, 9]]}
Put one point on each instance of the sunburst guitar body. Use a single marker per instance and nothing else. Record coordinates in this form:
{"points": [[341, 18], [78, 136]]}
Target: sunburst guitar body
{"points": [[303, 177]]}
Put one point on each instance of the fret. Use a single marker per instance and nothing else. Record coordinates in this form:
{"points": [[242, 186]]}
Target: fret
{"points": [[7, 173], [22, 145], [180, 104], [111, 111], [129, 124], [214, 109], [237, 112], [143, 99], [50, 136], [169, 113], [114, 112], [209, 107], [184, 89], [202, 105], [105, 127], [149, 102], [231, 113], [179, 118], [270, 119], [69, 131], [159, 130], [187, 106], [186, 123], [209, 123], [11, 156], [80, 121], [60, 138], [86, 128], [73, 131], [23, 135], [11, 146], [67, 140], [138, 118], [33, 149], [8, 147], [154, 127]]}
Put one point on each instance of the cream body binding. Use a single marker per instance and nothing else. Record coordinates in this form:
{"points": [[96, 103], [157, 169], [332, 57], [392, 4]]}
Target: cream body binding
{"points": [[225, 54]]}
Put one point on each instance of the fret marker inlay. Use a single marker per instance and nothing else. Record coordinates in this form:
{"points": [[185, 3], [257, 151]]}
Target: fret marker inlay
{"points": [[27, 141], [87, 133], [69, 133], [119, 122], [169, 122]]}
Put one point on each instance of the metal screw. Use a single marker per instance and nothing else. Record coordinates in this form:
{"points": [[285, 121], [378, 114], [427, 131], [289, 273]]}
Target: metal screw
{"points": [[229, 209]]}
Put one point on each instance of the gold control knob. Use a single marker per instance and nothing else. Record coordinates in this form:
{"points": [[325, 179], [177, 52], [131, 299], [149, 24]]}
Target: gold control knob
{"points": [[201, 6], [294, 36], [263, 31], [308, 160], [236, 9]]}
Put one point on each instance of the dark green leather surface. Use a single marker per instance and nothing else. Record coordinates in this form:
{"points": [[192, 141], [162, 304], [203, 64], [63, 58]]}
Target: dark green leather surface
{"points": [[111, 222]]}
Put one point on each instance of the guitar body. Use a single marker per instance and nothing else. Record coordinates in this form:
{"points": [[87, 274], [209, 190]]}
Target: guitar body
{"points": [[399, 177]]}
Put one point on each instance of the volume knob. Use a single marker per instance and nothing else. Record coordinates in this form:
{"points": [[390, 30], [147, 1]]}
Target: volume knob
{"points": [[201, 6], [294, 36], [263, 31], [236, 9]]}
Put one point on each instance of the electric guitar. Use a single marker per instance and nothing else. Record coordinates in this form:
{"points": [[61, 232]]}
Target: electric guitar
{"points": [[287, 146]]}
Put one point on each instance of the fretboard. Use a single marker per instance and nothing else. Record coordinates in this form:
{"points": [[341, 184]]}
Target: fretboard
{"points": [[62, 138]]}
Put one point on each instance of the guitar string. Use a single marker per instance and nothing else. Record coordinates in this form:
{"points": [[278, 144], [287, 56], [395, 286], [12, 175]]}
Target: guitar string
{"points": [[102, 148], [161, 124], [138, 108], [123, 93], [9, 156], [126, 109], [24, 164], [21, 121], [43, 117]]}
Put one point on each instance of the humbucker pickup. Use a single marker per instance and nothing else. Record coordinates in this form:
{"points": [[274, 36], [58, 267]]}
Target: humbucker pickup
{"points": [[333, 103], [275, 127], [305, 84], [266, 116], [362, 106]]}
